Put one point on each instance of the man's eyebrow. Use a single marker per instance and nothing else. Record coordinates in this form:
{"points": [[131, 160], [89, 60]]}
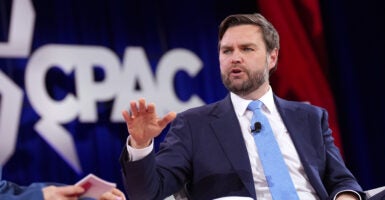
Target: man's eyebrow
{"points": [[241, 45], [225, 46], [248, 45]]}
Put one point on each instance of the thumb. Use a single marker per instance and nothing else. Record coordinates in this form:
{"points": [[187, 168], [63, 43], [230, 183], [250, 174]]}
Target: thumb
{"points": [[167, 119], [70, 190]]}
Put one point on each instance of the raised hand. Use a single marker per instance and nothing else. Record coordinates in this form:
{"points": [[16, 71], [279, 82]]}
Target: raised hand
{"points": [[143, 124]]}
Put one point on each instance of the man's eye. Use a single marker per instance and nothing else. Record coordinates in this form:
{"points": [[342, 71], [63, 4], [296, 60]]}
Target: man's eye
{"points": [[226, 51], [248, 49]]}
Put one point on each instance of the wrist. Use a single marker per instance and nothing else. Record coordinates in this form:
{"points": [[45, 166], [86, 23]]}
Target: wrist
{"points": [[138, 145]]}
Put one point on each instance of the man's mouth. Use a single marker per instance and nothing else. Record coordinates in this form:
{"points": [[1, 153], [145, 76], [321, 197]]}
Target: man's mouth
{"points": [[236, 71]]}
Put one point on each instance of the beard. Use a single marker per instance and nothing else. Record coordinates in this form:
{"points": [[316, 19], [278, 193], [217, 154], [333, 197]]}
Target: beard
{"points": [[254, 82]]}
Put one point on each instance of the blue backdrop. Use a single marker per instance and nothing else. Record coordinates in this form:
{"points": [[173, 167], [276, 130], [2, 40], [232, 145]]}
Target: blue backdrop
{"points": [[355, 45]]}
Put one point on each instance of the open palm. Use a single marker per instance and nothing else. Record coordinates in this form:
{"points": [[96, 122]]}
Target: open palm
{"points": [[143, 124]]}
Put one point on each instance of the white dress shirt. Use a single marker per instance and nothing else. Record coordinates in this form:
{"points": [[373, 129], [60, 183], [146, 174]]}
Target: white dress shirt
{"points": [[290, 155]]}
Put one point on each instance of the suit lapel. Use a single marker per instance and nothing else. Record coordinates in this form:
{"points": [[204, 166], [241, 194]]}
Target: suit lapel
{"points": [[229, 135], [307, 145], [293, 118]]}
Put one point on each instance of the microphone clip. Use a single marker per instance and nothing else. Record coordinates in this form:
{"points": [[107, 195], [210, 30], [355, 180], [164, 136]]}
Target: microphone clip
{"points": [[257, 127]]}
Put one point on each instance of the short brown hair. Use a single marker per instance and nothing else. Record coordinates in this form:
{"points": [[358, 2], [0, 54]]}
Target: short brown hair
{"points": [[270, 34]]}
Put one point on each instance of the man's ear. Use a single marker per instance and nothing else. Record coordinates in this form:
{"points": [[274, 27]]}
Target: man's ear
{"points": [[273, 58]]}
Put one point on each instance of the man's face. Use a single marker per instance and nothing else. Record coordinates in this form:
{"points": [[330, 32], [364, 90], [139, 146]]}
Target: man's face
{"points": [[243, 59]]}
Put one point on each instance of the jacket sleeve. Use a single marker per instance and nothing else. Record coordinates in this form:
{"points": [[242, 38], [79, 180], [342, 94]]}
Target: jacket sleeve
{"points": [[12, 191], [159, 175], [337, 176]]}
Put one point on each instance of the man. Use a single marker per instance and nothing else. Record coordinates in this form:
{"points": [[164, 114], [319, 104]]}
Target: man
{"points": [[48, 191], [210, 151]]}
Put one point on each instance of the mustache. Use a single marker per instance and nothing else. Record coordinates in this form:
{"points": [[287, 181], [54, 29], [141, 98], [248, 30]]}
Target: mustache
{"points": [[232, 66], [237, 68]]}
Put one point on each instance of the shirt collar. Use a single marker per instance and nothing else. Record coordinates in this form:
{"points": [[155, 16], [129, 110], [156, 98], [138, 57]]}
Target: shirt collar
{"points": [[240, 104]]}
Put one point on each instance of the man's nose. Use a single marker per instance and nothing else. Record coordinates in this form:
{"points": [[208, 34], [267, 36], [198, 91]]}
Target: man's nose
{"points": [[236, 57]]}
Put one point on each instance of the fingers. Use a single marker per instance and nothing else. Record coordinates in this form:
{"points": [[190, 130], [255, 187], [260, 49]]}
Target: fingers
{"points": [[142, 105], [133, 108], [151, 108], [70, 190], [167, 119], [136, 109], [62, 192], [126, 115], [119, 194], [114, 194]]}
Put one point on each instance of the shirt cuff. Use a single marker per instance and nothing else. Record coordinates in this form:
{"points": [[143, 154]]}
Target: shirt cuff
{"points": [[137, 154], [348, 191]]}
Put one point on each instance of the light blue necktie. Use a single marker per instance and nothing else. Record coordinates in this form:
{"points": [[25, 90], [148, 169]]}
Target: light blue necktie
{"points": [[276, 172]]}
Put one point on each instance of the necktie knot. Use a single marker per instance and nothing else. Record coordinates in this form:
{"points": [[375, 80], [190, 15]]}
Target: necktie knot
{"points": [[257, 104]]}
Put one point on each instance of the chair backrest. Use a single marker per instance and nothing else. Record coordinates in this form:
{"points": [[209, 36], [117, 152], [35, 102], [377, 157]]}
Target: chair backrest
{"points": [[376, 193]]}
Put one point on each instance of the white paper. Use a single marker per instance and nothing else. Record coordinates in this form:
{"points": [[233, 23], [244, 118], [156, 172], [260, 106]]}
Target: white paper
{"points": [[94, 186]]}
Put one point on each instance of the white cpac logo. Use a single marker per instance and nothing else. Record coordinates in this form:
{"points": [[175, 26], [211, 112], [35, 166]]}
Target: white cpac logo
{"points": [[118, 84], [11, 96]]}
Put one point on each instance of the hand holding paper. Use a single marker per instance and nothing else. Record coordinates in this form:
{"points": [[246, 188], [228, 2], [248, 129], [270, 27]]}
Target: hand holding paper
{"points": [[94, 186]]}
